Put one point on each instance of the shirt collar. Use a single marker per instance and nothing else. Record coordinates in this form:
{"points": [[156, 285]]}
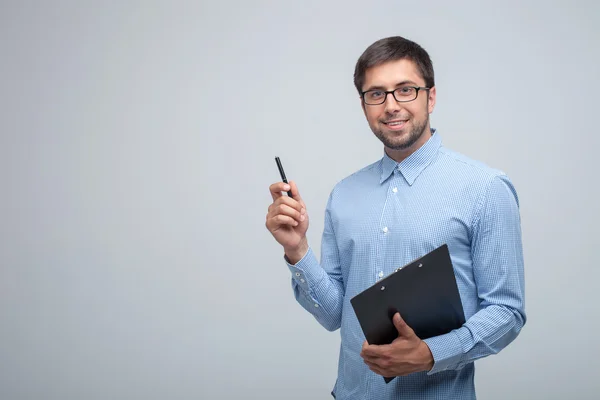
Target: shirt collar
{"points": [[413, 165]]}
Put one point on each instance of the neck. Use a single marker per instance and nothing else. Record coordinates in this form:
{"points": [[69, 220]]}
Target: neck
{"points": [[400, 155]]}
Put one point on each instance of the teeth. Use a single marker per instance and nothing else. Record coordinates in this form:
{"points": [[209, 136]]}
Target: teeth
{"points": [[395, 123]]}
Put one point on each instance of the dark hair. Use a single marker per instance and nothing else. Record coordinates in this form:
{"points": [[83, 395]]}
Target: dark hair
{"points": [[392, 49]]}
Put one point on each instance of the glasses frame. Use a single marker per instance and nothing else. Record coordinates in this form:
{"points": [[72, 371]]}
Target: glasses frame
{"points": [[417, 89]]}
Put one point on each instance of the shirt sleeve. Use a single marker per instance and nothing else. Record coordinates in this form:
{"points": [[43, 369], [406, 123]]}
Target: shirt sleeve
{"points": [[318, 287], [497, 255]]}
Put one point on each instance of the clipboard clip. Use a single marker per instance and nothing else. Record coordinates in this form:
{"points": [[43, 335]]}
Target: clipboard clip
{"points": [[399, 268]]}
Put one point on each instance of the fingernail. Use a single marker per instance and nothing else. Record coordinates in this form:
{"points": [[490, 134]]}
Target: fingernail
{"points": [[302, 218], [303, 211], [286, 187]]}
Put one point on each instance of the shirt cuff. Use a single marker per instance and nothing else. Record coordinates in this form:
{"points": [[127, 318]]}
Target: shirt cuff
{"points": [[306, 272], [447, 351]]}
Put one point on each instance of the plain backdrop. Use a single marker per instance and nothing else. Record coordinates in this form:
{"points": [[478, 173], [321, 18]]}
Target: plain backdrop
{"points": [[137, 144]]}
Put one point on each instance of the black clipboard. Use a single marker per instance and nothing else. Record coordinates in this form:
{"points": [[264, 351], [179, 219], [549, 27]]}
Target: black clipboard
{"points": [[425, 293]]}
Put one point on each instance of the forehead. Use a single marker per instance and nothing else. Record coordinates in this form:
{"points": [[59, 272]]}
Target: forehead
{"points": [[391, 73]]}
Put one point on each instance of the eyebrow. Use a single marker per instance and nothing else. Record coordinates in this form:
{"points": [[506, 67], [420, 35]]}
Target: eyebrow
{"points": [[406, 82]]}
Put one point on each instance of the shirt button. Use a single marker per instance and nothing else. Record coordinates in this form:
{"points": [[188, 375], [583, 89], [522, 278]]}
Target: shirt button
{"points": [[381, 274], [394, 190], [302, 280], [316, 305], [297, 273], [385, 229]]}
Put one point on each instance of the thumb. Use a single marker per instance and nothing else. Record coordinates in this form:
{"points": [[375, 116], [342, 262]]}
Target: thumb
{"points": [[296, 193], [402, 327]]}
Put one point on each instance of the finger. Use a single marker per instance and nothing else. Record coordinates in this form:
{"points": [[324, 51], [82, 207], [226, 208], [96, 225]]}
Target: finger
{"points": [[372, 364], [362, 350], [279, 220], [402, 326], [289, 210], [373, 351], [288, 201], [371, 359], [375, 368], [275, 219], [276, 189], [296, 193]]}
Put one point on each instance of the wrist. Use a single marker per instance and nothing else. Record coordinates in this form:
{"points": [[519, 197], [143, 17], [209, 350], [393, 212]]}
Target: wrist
{"points": [[297, 253], [426, 357]]}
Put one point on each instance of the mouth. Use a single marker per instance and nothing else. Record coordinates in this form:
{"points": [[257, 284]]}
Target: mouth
{"points": [[396, 124]]}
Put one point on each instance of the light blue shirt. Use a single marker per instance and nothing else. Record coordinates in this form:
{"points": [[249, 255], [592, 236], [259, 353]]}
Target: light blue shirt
{"points": [[388, 214]]}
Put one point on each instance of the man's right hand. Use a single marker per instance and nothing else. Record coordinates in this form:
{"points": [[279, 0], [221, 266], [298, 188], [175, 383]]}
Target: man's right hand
{"points": [[287, 220]]}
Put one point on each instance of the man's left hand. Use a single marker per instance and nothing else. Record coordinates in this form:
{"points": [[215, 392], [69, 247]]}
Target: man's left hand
{"points": [[405, 355]]}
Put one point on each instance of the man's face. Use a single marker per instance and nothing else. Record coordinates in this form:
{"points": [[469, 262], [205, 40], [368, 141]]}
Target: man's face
{"points": [[399, 125]]}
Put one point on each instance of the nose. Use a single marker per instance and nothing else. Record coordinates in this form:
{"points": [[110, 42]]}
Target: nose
{"points": [[391, 105]]}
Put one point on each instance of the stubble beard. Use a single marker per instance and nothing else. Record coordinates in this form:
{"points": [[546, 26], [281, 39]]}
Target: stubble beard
{"points": [[391, 140]]}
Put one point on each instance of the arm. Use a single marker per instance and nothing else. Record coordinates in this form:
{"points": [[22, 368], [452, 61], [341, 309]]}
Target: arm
{"points": [[497, 257], [318, 287]]}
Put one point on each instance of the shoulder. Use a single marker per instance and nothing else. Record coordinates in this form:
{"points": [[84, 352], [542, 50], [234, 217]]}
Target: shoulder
{"points": [[473, 168], [479, 176], [358, 180]]}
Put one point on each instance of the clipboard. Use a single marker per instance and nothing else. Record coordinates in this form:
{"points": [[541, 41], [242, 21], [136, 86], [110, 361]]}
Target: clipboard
{"points": [[425, 293]]}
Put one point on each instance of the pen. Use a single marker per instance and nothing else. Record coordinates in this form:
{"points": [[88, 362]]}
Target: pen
{"points": [[282, 174]]}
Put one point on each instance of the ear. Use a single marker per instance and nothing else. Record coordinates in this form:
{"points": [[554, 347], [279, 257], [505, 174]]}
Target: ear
{"points": [[431, 99]]}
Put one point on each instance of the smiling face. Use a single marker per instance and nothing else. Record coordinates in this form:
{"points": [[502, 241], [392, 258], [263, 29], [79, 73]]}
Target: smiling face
{"points": [[402, 127]]}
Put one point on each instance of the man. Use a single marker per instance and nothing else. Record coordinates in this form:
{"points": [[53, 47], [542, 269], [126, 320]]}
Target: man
{"points": [[418, 196]]}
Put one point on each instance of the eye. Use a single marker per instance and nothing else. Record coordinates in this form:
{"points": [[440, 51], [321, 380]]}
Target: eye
{"points": [[375, 94], [405, 91]]}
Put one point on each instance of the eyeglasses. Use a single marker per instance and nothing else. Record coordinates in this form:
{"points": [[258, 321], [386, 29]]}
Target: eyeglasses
{"points": [[402, 95]]}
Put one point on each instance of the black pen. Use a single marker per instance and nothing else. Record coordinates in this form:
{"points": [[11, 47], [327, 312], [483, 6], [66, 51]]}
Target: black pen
{"points": [[282, 174]]}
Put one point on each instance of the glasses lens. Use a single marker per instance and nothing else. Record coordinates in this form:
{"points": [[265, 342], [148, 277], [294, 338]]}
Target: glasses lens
{"points": [[374, 97], [405, 93]]}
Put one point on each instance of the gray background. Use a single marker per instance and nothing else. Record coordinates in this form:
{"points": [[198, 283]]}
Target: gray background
{"points": [[136, 150]]}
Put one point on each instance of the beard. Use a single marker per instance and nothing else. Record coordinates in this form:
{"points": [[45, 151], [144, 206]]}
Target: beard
{"points": [[398, 140]]}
